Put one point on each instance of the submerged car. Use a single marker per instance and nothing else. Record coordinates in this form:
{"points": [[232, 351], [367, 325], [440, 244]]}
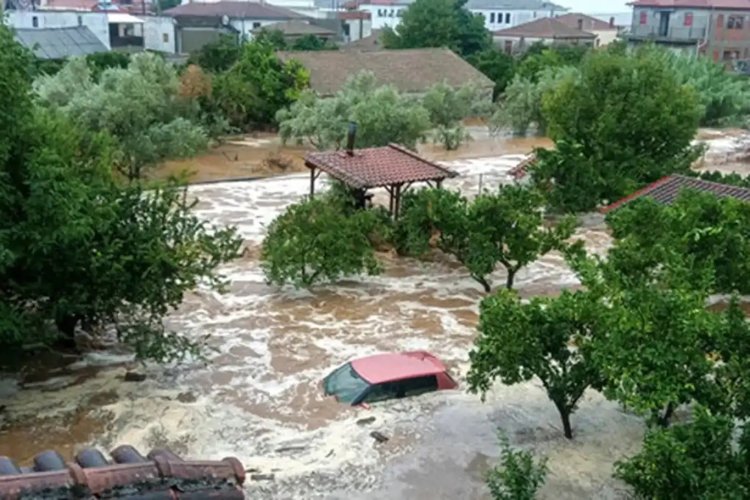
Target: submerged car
{"points": [[387, 376]]}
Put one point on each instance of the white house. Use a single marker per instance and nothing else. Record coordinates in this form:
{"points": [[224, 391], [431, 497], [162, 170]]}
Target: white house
{"points": [[96, 22], [498, 14]]}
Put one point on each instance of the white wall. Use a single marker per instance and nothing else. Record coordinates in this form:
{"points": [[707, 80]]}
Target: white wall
{"points": [[247, 26], [505, 18], [95, 21], [354, 29], [159, 34], [384, 15]]}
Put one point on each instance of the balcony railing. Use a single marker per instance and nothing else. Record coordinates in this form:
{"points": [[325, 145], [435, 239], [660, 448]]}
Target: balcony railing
{"points": [[672, 34], [126, 41]]}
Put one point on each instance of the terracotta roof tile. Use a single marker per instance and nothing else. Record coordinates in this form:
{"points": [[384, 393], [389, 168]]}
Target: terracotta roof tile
{"points": [[240, 10], [377, 167], [667, 189], [545, 27], [409, 70], [695, 4], [587, 22]]}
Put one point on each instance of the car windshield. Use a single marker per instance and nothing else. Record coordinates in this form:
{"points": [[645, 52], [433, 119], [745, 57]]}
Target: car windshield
{"points": [[345, 384]]}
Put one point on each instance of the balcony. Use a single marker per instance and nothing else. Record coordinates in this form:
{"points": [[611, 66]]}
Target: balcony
{"points": [[127, 43], [675, 34]]}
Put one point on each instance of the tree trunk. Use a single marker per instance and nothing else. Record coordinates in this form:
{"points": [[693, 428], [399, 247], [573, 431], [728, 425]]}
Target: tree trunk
{"points": [[665, 418], [511, 277], [483, 282], [565, 416]]}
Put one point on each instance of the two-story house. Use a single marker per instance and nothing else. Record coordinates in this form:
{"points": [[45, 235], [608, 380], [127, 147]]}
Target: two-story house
{"points": [[719, 29]]}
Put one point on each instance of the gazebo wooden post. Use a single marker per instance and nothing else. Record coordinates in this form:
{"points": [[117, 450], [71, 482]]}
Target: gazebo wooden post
{"points": [[312, 181], [389, 189], [397, 203], [439, 183]]}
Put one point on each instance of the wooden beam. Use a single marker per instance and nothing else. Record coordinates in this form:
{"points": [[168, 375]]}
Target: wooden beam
{"points": [[312, 181], [397, 203]]}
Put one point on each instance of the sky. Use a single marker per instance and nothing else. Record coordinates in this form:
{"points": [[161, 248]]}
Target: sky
{"points": [[595, 6]]}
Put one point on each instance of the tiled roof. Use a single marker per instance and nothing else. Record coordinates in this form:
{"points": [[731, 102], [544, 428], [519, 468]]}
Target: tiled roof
{"points": [[588, 23], [667, 189], [544, 27], [520, 170], [695, 4], [376, 167], [238, 10], [296, 28], [409, 70], [60, 43]]}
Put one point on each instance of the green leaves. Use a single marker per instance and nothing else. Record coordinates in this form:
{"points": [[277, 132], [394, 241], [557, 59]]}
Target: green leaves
{"points": [[505, 228], [439, 23], [551, 339], [518, 476], [315, 240]]}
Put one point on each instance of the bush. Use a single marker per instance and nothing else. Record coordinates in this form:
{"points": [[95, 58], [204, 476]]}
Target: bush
{"points": [[518, 477]]}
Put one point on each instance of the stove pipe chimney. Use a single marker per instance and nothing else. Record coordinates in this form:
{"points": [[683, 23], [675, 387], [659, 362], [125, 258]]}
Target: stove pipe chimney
{"points": [[350, 136]]}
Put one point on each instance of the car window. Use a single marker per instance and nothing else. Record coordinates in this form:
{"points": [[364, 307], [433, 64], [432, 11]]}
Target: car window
{"points": [[419, 385], [381, 392], [345, 383]]}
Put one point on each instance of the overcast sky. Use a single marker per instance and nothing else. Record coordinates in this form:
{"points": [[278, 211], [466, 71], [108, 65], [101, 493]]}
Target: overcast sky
{"points": [[596, 6]]}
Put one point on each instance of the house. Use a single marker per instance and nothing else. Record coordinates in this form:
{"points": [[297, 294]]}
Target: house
{"points": [[497, 13], [719, 29], [501, 14], [412, 71], [546, 30], [371, 42], [666, 190], [188, 27], [114, 29], [59, 43], [606, 32]]}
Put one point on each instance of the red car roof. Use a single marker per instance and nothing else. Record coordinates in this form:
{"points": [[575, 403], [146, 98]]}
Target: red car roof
{"points": [[381, 368]]}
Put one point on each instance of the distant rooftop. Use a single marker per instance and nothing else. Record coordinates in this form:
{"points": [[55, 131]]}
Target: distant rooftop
{"points": [[237, 10], [296, 28], [667, 189], [586, 22], [545, 27], [539, 5], [409, 70], [695, 4], [60, 43]]}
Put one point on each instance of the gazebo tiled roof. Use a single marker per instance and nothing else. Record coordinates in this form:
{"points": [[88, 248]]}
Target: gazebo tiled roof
{"points": [[377, 167], [667, 189]]}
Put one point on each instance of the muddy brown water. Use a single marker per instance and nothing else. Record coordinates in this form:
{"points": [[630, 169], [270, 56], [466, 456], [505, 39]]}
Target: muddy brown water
{"points": [[259, 397]]}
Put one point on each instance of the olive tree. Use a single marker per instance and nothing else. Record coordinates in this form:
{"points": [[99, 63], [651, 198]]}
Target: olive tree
{"points": [[547, 338]]}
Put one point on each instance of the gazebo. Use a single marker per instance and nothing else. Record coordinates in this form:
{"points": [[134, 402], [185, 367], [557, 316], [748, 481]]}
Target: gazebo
{"points": [[391, 167]]}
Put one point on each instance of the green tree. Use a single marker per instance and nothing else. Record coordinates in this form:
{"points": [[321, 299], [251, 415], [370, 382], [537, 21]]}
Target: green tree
{"points": [[257, 86], [496, 65], [316, 240], [77, 248], [505, 227], [712, 232], [140, 106], [312, 42], [606, 120], [382, 115], [218, 56], [449, 106], [439, 23], [100, 61], [534, 62], [518, 476], [520, 106], [547, 338], [694, 460]]}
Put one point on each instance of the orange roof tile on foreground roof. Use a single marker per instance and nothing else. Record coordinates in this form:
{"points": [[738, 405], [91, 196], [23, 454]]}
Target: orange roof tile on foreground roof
{"points": [[377, 167], [667, 189]]}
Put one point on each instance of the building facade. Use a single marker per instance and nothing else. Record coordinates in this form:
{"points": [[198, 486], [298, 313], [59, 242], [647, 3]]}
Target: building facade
{"points": [[719, 29]]}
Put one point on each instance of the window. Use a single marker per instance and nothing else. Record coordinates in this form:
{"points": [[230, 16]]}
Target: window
{"points": [[688, 21], [643, 19], [492, 17], [381, 392], [416, 386], [734, 22], [256, 24], [380, 12], [165, 37], [80, 20], [345, 384], [580, 24], [507, 18], [720, 20], [35, 21], [399, 12], [509, 47], [391, 13], [731, 55]]}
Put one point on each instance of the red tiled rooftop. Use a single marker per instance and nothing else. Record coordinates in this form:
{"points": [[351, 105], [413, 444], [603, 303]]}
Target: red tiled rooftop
{"points": [[377, 167], [667, 189], [694, 4]]}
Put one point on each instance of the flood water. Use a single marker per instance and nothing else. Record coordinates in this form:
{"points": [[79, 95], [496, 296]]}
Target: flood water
{"points": [[259, 397]]}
